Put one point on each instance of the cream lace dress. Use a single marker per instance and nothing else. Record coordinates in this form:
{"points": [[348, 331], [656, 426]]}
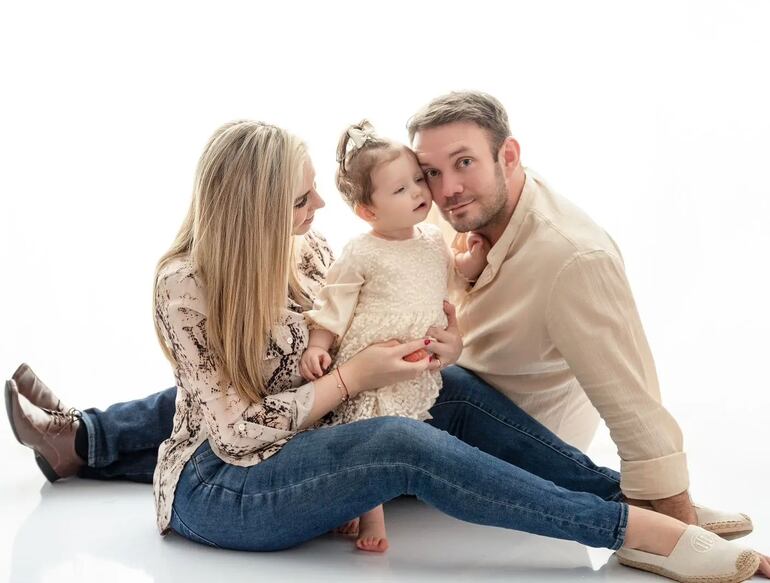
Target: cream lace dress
{"points": [[380, 290]]}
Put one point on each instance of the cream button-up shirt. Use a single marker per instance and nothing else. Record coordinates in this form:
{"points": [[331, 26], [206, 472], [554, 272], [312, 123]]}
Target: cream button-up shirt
{"points": [[551, 323]]}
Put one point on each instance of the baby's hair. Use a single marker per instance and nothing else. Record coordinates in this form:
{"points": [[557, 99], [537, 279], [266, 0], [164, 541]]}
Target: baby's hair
{"points": [[359, 151]]}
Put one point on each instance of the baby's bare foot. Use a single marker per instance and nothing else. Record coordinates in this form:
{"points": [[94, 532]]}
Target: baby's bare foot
{"points": [[374, 543], [371, 532], [350, 528]]}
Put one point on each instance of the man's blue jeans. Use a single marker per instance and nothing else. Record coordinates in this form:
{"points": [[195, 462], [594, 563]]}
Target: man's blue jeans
{"points": [[491, 463]]}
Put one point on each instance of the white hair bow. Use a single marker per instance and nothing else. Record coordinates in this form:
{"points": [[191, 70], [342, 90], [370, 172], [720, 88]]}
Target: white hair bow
{"points": [[359, 136]]}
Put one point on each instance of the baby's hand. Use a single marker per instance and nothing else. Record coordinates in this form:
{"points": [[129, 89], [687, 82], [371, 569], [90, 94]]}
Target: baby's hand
{"points": [[471, 259], [314, 362]]}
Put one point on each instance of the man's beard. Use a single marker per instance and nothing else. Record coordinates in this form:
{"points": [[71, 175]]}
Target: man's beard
{"points": [[492, 209]]}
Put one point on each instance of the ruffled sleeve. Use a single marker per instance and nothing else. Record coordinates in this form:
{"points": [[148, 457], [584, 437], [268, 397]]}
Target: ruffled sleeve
{"points": [[336, 303]]}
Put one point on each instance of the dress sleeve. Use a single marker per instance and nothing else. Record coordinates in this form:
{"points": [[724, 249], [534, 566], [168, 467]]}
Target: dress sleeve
{"points": [[238, 427], [336, 303], [593, 321]]}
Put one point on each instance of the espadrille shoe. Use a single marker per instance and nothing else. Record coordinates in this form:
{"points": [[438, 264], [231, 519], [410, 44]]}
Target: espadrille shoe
{"points": [[728, 525], [698, 557]]}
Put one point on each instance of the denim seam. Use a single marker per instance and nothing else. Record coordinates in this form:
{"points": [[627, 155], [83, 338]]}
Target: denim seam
{"points": [[622, 526], [409, 466], [198, 473], [536, 438], [91, 432], [191, 531], [205, 455], [140, 447]]}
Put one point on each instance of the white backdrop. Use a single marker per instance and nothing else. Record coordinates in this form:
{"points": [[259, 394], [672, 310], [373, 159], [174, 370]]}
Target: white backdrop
{"points": [[652, 116]]}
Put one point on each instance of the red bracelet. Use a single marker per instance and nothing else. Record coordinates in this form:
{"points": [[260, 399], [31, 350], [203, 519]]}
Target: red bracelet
{"points": [[341, 385]]}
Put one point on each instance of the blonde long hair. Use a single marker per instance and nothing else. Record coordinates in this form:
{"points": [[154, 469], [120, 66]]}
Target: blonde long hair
{"points": [[238, 233]]}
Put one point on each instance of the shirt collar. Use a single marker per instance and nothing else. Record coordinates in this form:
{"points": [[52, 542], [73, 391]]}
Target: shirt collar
{"points": [[499, 251]]}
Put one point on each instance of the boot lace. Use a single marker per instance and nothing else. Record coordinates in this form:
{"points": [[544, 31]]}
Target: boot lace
{"points": [[63, 420]]}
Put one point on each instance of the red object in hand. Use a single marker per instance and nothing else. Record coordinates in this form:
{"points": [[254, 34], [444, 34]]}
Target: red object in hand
{"points": [[416, 355]]}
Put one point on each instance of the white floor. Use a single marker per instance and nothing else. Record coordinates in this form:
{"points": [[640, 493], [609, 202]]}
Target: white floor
{"points": [[92, 531]]}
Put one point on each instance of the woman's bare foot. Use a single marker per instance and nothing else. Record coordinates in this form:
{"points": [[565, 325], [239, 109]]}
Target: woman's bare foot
{"points": [[350, 528], [652, 532], [371, 532]]}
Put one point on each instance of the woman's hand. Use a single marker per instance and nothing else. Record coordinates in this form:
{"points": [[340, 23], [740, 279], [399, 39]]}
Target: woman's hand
{"points": [[383, 364], [448, 343]]}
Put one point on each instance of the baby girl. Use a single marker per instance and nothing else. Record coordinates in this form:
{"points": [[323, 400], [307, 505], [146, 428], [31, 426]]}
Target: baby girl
{"points": [[389, 283]]}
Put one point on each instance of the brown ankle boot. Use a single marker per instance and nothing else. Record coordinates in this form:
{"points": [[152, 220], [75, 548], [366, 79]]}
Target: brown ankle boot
{"points": [[36, 391], [50, 434]]}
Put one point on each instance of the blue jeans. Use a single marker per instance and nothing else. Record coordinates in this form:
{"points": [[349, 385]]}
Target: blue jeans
{"points": [[123, 441], [483, 460]]}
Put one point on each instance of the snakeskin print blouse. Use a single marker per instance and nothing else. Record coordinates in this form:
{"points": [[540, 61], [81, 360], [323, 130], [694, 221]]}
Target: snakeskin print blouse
{"points": [[240, 432]]}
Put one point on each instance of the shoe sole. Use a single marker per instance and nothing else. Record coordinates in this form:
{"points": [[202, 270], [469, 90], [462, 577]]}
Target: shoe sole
{"points": [[729, 531], [45, 467], [746, 565], [42, 463]]}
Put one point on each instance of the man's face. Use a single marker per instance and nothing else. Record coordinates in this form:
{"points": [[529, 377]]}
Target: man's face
{"points": [[466, 181]]}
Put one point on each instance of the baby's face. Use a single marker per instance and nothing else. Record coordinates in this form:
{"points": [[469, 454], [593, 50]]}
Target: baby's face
{"points": [[401, 197]]}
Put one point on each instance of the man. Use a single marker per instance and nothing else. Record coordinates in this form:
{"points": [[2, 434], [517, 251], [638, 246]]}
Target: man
{"points": [[550, 323]]}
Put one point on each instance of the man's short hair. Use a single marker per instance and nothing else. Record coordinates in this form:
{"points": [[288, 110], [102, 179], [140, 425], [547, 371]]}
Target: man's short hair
{"points": [[464, 106]]}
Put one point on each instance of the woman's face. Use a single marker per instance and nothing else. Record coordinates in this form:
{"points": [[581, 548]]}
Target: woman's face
{"points": [[306, 202]]}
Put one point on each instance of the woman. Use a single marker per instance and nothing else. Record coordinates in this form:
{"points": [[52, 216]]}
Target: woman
{"points": [[252, 462]]}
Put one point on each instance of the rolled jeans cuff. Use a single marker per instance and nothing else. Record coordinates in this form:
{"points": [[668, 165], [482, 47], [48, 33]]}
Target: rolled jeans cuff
{"points": [[91, 430]]}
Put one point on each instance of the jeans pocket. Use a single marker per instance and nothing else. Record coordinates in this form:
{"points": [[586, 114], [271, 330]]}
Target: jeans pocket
{"points": [[181, 528]]}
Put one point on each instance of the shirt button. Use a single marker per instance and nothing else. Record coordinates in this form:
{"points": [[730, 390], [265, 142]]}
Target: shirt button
{"points": [[242, 427], [290, 340]]}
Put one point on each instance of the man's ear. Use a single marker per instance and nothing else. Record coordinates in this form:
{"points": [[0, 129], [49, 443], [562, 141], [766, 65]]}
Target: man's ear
{"points": [[509, 154], [364, 212]]}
